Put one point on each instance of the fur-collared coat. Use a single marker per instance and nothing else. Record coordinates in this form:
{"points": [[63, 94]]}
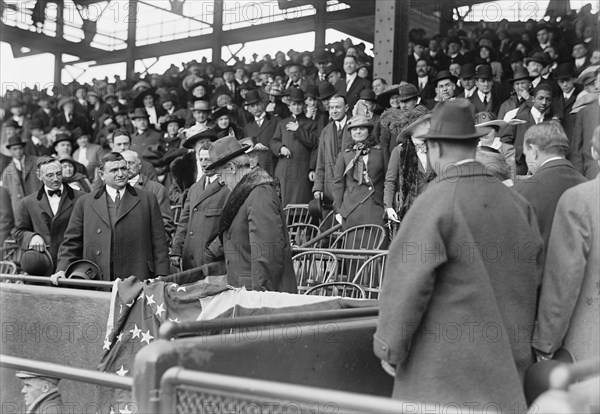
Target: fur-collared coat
{"points": [[34, 216], [140, 241], [255, 239], [458, 299], [184, 171]]}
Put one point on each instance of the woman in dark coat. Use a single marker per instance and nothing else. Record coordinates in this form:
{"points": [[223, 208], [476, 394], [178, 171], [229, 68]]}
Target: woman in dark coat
{"points": [[359, 177], [224, 124]]}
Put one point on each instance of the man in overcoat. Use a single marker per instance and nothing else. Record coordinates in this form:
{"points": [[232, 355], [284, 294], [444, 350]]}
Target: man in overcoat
{"points": [[118, 227], [42, 217], [262, 128], [252, 227], [459, 293], [41, 393], [144, 135], [293, 142], [19, 176]]}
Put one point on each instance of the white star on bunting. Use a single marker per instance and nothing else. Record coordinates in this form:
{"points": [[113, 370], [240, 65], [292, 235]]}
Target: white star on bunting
{"points": [[146, 337], [136, 332], [120, 337], [181, 288], [106, 344], [141, 295], [122, 371], [159, 310], [129, 305], [150, 300]]}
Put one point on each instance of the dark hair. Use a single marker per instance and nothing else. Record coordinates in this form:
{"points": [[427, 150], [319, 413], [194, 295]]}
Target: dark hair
{"points": [[122, 132], [543, 86], [353, 57], [339, 95], [110, 157], [381, 79]]}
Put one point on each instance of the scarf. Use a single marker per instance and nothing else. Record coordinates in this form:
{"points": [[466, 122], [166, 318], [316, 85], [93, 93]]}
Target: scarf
{"points": [[412, 178], [357, 164]]}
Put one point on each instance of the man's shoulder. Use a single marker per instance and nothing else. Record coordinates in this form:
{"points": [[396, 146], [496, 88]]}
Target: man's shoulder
{"points": [[585, 192]]}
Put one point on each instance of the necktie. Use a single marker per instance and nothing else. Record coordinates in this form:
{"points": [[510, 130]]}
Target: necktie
{"points": [[259, 122], [54, 192], [118, 198], [485, 100], [206, 183]]}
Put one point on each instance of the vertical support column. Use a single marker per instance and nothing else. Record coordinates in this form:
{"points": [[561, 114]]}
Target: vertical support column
{"points": [[446, 17], [60, 22], [131, 38], [391, 39], [217, 31], [320, 24]]}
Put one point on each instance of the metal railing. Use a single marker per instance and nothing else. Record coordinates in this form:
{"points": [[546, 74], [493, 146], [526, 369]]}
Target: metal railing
{"points": [[62, 282], [65, 372]]}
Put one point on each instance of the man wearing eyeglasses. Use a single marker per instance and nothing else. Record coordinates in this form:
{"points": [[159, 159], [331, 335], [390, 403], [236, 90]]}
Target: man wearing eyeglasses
{"points": [[119, 228]]}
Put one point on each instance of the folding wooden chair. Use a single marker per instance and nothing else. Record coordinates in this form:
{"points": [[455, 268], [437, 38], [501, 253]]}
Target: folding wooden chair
{"points": [[370, 275], [313, 268]]}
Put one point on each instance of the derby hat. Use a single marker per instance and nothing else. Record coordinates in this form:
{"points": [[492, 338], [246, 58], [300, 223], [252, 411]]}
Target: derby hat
{"points": [[224, 150], [219, 112], [140, 113], [252, 97], [36, 263], [83, 269], [326, 90], [331, 68], [274, 90], [315, 208], [312, 91], [367, 95], [297, 95], [321, 56], [444, 74], [65, 100], [169, 119], [32, 375], [564, 71], [201, 105], [11, 123], [539, 57], [467, 71], [62, 136], [520, 74], [16, 140], [208, 133], [360, 121], [408, 131], [484, 72], [453, 120]]}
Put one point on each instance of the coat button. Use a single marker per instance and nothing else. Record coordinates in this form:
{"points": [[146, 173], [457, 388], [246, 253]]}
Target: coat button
{"points": [[191, 233], [98, 231], [97, 252], [195, 209], [370, 188]]}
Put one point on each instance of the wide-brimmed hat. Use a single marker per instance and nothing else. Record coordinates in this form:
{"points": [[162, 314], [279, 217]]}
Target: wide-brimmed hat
{"points": [[32, 375], [467, 71], [189, 81], [297, 95], [360, 121], [36, 263], [201, 105], [208, 133], [64, 100], [326, 90], [453, 120], [539, 57], [140, 113], [225, 149], [331, 68], [520, 74], [484, 72], [444, 74], [266, 68], [139, 98], [83, 269], [252, 144], [219, 112], [62, 136], [408, 131], [109, 95], [586, 78], [252, 97], [169, 119], [367, 95], [407, 91], [199, 82], [564, 71]]}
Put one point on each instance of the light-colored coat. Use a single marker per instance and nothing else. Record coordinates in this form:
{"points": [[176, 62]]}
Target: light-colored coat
{"points": [[569, 309], [459, 293], [93, 154]]}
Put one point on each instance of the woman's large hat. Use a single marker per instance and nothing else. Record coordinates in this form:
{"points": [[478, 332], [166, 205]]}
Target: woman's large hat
{"points": [[207, 133], [225, 149], [453, 120], [360, 121], [169, 119]]}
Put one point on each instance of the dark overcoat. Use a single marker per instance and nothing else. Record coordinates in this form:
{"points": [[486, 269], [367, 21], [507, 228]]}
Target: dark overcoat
{"points": [[586, 121], [330, 145], [263, 134], [160, 192], [50, 404], [140, 142], [34, 216], [199, 222], [293, 172], [458, 299], [20, 183], [256, 245], [140, 242]]}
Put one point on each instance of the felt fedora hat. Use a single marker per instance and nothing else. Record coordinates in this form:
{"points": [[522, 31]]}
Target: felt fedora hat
{"points": [[453, 120], [520, 74], [140, 113], [225, 149], [297, 95], [539, 57], [408, 131], [169, 119], [16, 140], [62, 136], [208, 133], [564, 71], [484, 72], [201, 105], [467, 71], [326, 90], [444, 74], [252, 97], [83, 269], [367, 95]]}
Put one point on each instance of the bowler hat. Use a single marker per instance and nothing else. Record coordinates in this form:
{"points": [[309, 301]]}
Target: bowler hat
{"points": [[331, 68], [83, 269], [62, 136], [321, 56], [360, 121], [520, 74], [539, 57], [252, 97], [484, 72], [407, 91], [140, 113], [208, 133], [564, 71], [537, 376], [32, 375], [36, 263], [201, 105], [11, 123], [408, 131], [225, 149], [467, 71], [444, 74], [16, 140], [219, 112], [326, 90], [312, 91], [266, 68], [367, 95], [453, 120], [315, 208], [297, 95], [169, 119], [515, 56]]}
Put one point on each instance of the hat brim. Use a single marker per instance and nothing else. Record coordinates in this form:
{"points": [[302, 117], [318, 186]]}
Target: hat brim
{"points": [[252, 101], [227, 158], [521, 78], [190, 143], [22, 144], [407, 132], [164, 125], [479, 132]]}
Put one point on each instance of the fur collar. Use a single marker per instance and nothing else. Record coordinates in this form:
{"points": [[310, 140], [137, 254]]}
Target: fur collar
{"points": [[239, 195], [184, 170]]}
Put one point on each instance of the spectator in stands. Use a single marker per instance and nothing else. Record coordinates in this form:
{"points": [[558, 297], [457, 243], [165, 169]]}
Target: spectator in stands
{"points": [[19, 177], [122, 142], [487, 98], [40, 392], [454, 55], [7, 218], [540, 111], [321, 60], [569, 302], [39, 140], [138, 180], [467, 81], [445, 87], [453, 211], [408, 171], [379, 85], [200, 112], [425, 85], [42, 217], [45, 115], [563, 103], [116, 220], [334, 76], [294, 140], [144, 135], [224, 125], [262, 127], [70, 119], [148, 100], [200, 217], [545, 147], [354, 83], [113, 104], [535, 66], [416, 55], [436, 56], [87, 154], [359, 177], [255, 240], [521, 88], [71, 177], [495, 163]]}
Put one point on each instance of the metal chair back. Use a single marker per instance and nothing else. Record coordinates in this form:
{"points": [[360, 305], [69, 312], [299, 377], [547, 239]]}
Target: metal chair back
{"points": [[370, 275], [313, 268]]}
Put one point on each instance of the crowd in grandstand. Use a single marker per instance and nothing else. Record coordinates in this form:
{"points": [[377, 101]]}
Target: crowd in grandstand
{"points": [[191, 168]]}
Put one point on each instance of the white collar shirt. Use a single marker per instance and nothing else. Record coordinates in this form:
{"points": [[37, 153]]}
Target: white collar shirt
{"points": [[54, 201]]}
